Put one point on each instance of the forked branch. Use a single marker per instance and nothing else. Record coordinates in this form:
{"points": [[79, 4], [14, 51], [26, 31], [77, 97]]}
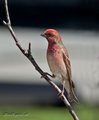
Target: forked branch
{"points": [[29, 56]]}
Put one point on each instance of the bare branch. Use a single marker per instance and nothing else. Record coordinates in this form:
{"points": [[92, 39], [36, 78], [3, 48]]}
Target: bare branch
{"points": [[32, 60]]}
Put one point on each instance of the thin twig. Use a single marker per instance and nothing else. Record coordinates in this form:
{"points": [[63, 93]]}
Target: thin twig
{"points": [[29, 49], [7, 12], [32, 60]]}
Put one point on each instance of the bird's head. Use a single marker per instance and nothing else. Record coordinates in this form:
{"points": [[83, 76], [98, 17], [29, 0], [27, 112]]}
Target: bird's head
{"points": [[52, 36]]}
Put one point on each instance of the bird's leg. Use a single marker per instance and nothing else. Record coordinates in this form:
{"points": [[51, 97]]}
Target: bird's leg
{"points": [[62, 91], [53, 76]]}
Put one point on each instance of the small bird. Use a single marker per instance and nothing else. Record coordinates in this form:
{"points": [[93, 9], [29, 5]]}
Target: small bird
{"points": [[59, 63]]}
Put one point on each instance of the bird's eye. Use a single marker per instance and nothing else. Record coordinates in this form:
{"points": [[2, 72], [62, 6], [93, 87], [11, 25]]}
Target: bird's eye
{"points": [[50, 35]]}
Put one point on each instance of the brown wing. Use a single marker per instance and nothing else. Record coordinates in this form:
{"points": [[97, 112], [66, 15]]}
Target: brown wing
{"points": [[71, 96], [68, 66]]}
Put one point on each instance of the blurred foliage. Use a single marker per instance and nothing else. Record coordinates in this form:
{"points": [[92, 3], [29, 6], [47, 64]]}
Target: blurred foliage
{"points": [[47, 113]]}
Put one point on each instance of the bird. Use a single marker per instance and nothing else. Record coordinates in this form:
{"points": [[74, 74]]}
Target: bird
{"points": [[59, 62]]}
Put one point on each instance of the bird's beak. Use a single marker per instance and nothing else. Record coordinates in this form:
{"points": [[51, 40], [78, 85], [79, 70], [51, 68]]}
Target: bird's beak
{"points": [[43, 35]]}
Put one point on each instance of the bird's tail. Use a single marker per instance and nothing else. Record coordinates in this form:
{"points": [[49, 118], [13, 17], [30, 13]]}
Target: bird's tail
{"points": [[72, 97], [70, 92]]}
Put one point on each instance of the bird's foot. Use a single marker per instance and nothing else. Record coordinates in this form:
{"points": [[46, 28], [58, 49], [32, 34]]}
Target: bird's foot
{"points": [[47, 74], [60, 94]]}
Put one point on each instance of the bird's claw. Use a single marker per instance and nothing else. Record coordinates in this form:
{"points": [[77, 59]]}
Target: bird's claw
{"points": [[42, 76], [45, 73], [60, 94]]}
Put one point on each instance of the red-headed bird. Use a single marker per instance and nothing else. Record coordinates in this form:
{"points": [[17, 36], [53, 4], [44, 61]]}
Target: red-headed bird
{"points": [[59, 63]]}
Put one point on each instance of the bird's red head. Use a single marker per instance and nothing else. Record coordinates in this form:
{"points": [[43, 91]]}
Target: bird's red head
{"points": [[52, 36]]}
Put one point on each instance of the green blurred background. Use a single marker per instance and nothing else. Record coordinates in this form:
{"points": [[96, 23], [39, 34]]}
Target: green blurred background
{"points": [[23, 94]]}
